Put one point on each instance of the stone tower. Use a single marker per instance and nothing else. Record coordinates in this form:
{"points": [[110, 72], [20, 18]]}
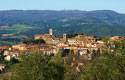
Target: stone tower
{"points": [[64, 37], [50, 31]]}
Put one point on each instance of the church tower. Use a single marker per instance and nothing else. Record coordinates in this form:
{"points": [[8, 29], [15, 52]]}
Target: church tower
{"points": [[64, 37], [50, 31]]}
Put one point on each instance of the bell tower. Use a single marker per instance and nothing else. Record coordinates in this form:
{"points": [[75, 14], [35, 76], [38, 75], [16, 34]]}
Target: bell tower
{"points": [[65, 37], [50, 31]]}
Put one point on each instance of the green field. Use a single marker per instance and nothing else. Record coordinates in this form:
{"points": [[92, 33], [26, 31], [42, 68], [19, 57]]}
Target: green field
{"points": [[15, 29]]}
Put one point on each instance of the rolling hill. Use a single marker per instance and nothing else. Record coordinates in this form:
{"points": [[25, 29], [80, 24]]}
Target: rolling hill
{"points": [[99, 22]]}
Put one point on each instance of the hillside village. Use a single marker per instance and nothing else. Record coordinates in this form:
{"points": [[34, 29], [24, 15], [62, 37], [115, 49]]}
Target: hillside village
{"points": [[81, 47]]}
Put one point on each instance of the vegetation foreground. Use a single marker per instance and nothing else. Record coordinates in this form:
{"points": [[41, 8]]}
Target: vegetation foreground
{"points": [[106, 66]]}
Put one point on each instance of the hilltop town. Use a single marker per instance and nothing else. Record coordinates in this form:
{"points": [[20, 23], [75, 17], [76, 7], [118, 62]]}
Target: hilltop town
{"points": [[85, 47], [52, 44]]}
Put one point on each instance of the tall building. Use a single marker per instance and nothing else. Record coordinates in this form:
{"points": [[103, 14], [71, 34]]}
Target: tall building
{"points": [[50, 31]]}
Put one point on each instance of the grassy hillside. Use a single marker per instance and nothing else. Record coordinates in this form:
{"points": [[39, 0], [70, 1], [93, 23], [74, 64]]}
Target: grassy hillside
{"points": [[15, 29], [23, 23], [30, 22], [14, 32]]}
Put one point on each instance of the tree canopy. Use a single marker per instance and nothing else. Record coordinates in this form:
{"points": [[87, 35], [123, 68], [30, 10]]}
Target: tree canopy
{"points": [[37, 67]]}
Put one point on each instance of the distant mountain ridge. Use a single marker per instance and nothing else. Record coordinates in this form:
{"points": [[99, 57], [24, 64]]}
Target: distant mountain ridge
{"points": [[98, 22]]}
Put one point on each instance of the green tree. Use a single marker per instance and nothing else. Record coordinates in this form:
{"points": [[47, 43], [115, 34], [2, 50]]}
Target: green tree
{"points": [[37, 41], [37, 67], [70, 72], [1, 57], [106, 67]]}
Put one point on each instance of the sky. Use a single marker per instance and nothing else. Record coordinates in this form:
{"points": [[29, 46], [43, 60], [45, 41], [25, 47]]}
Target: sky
{"points": [[86, 5]]}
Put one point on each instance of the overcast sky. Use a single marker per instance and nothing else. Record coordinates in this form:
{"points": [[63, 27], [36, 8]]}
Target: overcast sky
{"points": [[117, 5]]}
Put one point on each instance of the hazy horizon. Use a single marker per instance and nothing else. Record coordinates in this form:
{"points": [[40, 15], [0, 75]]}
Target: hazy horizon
{"points": [[84, 5], [57, 10]]}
